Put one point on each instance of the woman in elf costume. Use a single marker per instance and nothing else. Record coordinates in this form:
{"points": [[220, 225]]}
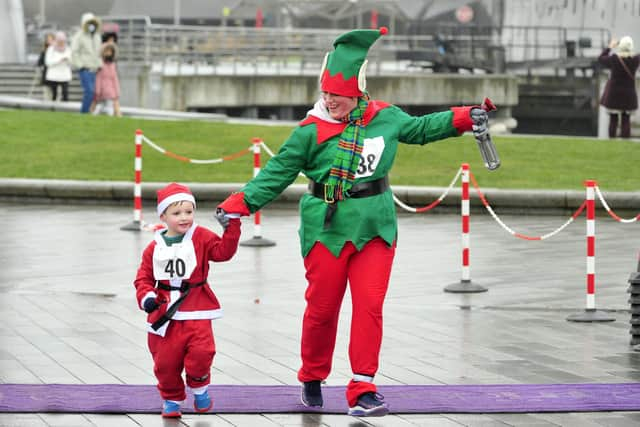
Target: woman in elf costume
{"points": [[346, 146]]}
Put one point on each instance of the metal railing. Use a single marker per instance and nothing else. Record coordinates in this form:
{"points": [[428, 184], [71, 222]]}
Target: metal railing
{"points": [[300, 50]]}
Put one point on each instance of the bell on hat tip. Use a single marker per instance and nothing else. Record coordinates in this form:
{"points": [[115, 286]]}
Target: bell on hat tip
{"points": [[383, 30]]}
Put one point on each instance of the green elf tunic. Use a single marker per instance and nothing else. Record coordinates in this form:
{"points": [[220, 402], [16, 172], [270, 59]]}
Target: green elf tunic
{"points": [[311, 149]]}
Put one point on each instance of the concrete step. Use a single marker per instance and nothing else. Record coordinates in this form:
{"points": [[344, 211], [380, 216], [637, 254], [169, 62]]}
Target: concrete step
{"points": [[24, 80], [38, 93], [18, 74], [19, 66], [7, 85]]}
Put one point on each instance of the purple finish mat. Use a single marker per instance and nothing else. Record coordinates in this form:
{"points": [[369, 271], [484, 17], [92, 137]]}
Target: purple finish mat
{"points": [[117, 398]]}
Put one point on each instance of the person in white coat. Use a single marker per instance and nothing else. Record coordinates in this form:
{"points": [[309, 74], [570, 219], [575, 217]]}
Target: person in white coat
{"points": [[58, 62]]}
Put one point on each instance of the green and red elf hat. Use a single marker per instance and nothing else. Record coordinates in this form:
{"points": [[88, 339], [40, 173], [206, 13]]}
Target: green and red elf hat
{"points": [[343, 70]]}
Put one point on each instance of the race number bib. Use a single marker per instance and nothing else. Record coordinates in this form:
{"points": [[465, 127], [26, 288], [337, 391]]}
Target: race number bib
{"points": [[174, 262], [371, 152]]}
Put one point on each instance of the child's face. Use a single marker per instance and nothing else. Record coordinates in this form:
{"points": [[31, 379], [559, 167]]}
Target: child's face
{"points": [[179, 218]]}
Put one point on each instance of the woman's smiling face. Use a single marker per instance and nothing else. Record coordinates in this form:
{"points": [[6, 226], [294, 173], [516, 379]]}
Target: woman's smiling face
{"points": [[339, 106]]}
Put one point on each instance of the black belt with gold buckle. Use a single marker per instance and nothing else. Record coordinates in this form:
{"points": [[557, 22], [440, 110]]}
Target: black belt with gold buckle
{"points": [[359, 190]]}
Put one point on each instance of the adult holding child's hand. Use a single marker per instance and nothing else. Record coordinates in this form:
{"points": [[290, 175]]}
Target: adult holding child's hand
{"points": [[346, 146]]}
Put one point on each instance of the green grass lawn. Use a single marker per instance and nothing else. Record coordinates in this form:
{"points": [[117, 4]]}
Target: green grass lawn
{"points": [[72, 146]]}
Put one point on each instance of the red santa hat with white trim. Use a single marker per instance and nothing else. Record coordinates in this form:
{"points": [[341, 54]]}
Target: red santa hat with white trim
{"points": [[173, 193]]}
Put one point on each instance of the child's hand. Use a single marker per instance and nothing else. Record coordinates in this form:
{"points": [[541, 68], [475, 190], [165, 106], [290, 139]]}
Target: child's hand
{"points": [[222, 218], [150, 305]]}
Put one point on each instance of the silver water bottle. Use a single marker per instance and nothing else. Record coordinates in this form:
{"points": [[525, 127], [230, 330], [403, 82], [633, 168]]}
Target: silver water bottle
{"points": [[485, 144]]}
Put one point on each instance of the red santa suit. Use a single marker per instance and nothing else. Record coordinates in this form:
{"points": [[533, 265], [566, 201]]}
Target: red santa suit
{"points": [[177, 275]]}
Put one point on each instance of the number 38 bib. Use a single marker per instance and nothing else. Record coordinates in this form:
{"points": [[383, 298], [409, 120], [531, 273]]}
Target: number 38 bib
{"points": [[371, 152], [175, 262]]}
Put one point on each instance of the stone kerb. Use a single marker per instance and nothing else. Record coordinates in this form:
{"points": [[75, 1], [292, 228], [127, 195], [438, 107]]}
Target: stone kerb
{"points": [[121, 193]]}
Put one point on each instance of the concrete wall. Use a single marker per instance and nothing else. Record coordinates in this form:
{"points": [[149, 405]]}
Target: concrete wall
{"points": [[184, 92]]}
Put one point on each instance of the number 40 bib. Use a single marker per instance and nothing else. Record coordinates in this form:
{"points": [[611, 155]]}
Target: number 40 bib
{"points": [[174, 262]]}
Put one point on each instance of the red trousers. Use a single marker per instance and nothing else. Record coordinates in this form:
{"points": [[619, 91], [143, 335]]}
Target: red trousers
{"points": [[367, 271], [188, 345]]}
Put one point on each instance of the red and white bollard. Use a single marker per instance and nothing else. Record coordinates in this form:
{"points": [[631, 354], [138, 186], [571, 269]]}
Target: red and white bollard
{"points": [[591, 314], [257, 239], [465, 285], [136, 224]]}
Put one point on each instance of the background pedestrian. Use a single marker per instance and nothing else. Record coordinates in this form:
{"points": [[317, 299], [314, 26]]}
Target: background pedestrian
{"points": [[85, 47], [620, 96], [107, 94], [46, 89], [58, 62]]}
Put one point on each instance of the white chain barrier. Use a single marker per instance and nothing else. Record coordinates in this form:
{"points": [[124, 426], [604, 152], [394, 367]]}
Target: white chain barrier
{"points": [[520, 235], [612, 213], [137, 223], [434, 203], [195, 161]]}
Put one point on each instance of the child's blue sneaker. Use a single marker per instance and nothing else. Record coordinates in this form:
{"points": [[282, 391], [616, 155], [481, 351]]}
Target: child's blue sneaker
{"points": [[202, 402], [171, 409]]}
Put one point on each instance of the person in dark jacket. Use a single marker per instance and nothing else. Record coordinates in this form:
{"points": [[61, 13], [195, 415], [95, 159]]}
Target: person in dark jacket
{"points": [[46, 86], [620, 96]]}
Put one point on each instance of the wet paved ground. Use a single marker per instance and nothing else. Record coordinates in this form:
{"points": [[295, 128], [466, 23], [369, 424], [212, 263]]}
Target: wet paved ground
{"points": [[69, 313]]}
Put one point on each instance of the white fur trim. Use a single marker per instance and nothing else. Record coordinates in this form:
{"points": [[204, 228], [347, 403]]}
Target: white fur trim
{"points": [[186, 315], [178, 197], [363, 378], [197, 315], [200, 390], [362, 76], [324, 67], [187, 236], [162, 331], [319, 110]]}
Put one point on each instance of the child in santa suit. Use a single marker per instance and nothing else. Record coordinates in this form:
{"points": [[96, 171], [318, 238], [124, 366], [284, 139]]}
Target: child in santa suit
{"points": [[171, 285]]}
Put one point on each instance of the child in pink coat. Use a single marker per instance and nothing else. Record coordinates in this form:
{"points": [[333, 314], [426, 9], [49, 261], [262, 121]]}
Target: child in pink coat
{"points": [[107, 95]]}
